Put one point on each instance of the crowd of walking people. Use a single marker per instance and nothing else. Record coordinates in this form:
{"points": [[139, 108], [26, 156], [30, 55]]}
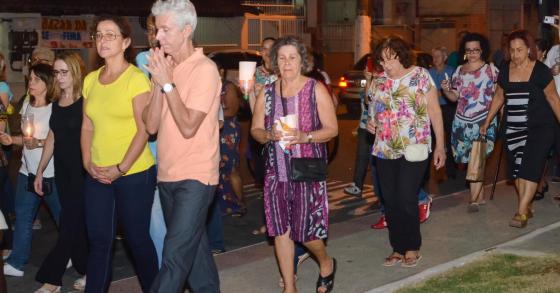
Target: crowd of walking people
{"points": [[150, 144]]}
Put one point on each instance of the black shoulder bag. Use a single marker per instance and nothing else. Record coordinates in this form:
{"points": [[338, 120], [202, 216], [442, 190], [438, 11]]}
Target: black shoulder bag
{"points": [[305, 169]]}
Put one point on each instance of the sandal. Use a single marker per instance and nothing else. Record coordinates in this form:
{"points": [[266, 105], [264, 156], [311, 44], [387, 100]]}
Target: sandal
{"points": [[328, 281], [393, 259], [281, 281], [260, 231], [519, 221], [45, 290], [410, 262], [472, 207]]}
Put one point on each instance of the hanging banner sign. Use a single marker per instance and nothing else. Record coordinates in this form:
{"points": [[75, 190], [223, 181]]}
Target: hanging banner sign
{"points": [[66, 33]]}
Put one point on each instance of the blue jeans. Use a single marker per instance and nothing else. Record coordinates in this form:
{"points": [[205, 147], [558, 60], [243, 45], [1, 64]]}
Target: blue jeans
{"points": [[130, 198], [26, 206], [215, 226], [157, 226], [186, 256]]}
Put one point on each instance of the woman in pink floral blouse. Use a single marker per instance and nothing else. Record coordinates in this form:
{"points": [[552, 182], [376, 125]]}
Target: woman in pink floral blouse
{"points": [[404, 105]]}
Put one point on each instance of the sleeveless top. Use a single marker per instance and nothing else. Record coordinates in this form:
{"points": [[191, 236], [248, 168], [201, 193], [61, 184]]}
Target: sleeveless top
{"points": [[304, 105]]}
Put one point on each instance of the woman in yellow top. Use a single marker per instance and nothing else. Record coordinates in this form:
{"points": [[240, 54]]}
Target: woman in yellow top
{"points": [[121, 173]]}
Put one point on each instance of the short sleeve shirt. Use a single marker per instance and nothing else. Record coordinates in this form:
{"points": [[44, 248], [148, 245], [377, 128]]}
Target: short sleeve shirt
{"points": [[476, 90], [400, 109], [4, 88], [438, 77], [197, 158], [110, 109]]}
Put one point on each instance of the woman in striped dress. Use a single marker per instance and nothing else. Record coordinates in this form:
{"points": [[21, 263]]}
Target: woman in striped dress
{"points": [[532, 106], [472, 86]]}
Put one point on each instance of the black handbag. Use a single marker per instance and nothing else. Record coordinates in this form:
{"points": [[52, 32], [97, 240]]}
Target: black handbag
{"points": [[47, 184], [305, 169], [308, 169]]}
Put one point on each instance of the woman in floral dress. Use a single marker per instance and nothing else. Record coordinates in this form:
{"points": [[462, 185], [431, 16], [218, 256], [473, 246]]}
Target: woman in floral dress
{"points": [[472, 86]]}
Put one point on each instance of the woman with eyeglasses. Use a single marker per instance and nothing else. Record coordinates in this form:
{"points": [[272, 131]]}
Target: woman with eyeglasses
{"points": [[121, 173], [472, 86], [63, 141]]}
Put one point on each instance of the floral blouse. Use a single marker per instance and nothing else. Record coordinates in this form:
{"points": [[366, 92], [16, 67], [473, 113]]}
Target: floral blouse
{"points": [[400, 109], [475, 89]]}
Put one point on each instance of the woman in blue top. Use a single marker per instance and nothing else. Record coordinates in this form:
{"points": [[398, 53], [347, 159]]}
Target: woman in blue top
{"points": [[6, 95], [440, 72]]}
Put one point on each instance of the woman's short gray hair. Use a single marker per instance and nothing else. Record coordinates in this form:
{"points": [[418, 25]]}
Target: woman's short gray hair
{"points": [[290, 41], [443, 51], [183, 11]]}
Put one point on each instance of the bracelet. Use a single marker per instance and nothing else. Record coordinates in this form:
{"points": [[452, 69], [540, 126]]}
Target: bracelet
{"points": [[119, 169]]}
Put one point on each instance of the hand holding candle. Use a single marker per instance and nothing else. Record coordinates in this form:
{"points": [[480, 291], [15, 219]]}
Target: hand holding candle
{"points": [[246, 74], [27, 125]]}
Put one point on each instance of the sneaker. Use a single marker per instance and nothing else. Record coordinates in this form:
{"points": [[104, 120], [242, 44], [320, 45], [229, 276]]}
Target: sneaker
{"points": [[381, 224], [80, 283], [11, 271], [424, 210], [37, 225], [353, 190]]}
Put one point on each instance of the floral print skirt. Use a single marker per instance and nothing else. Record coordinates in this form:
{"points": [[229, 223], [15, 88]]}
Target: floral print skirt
{"points": [[464, 132]]}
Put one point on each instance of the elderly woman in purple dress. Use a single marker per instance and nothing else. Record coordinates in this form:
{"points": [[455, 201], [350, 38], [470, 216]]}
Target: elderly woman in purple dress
{"points": [[295, 211]]}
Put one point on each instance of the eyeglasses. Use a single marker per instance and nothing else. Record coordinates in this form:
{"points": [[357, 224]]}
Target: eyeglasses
{"points": [[473, 51], [388, 61], [107, 37], [62, 73]]}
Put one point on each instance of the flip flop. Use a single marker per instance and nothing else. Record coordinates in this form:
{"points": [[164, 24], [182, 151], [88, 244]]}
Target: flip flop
{"points": [[392, 260], [410, 262]]}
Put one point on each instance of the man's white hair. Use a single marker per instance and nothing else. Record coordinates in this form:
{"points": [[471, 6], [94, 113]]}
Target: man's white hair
{"points": [[183, 11]]}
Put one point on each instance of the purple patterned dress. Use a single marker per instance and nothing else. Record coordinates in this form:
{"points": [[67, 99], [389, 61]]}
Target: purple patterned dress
{"points": [[300, 206]]}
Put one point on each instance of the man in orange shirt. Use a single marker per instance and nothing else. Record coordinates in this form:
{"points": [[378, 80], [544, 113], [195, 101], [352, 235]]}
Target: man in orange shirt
{"points": [[184, 112]]}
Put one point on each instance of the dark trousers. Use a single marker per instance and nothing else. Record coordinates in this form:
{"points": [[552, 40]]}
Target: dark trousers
{"points": [[448, 114], [258, 158], [186, 254], [130, 198], [400, 181], [215, 225], [72, 236], [363, 156]]}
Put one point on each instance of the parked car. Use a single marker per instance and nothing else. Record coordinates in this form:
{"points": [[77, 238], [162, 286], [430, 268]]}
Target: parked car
{"points": [[353, 82], [229, 60]]}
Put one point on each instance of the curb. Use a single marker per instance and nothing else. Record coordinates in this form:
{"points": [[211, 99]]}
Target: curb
{"points": [[441, 268]]}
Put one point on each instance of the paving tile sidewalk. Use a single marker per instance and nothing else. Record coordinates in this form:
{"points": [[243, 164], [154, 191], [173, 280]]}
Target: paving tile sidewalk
{"points": [[450, 234]]}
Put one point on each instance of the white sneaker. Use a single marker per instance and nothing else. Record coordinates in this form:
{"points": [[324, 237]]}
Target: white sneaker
{"points": [[11, 271], [353, 190], [80, 283]]}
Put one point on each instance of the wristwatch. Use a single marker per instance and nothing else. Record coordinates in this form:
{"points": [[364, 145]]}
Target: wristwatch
{"points": [[309, 137], [167, 88]]}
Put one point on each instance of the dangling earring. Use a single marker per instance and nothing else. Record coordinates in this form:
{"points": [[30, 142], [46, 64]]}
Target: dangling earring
{"points": [[465, 57]]}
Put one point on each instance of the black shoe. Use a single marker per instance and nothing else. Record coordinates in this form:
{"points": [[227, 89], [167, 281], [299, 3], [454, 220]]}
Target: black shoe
{"points": [[540, 194], [328, 281]]}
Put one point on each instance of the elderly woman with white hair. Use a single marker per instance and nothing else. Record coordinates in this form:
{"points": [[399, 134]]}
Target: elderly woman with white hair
{"points": [[439, 72]]}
